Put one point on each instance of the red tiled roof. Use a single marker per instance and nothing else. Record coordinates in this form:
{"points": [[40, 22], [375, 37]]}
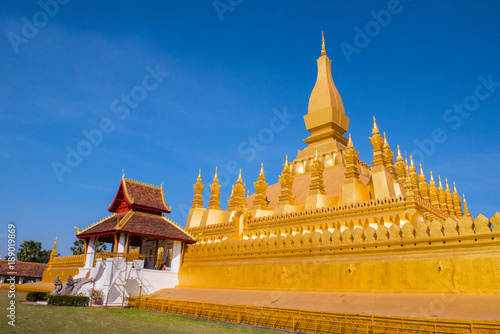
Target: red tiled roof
{"points": [[140, 195], [24, 269], [139, 223]]}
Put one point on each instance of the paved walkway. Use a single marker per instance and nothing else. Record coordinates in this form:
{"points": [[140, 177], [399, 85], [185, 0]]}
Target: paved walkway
{"points": [[463, 307]]}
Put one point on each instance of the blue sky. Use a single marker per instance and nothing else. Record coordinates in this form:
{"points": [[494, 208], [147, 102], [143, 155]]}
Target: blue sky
{"points": [[227, 67]]}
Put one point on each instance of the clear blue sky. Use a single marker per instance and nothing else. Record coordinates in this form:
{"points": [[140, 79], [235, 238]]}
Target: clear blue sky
{"points": [[228, 68]]}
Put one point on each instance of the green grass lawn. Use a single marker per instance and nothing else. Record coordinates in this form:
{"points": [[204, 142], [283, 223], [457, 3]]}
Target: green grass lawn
{"points": [[58, 319]]}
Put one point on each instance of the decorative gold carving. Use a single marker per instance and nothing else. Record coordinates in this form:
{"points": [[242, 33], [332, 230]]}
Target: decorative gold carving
{"points": [[316, 186], [440, 267], [388, 156], [433, 192], [214, 202], [400, 167], [377, 143], [457, 202], [351, 161], [442, 197], [449, 200], [260, 185], [237, 198], [286, 181], [198, 191], [413, 174], [466, 208], [423, 187]]}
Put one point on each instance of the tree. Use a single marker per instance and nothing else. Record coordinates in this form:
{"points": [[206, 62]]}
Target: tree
{"points": [[79, 247], [31, 251], [44, 256]]}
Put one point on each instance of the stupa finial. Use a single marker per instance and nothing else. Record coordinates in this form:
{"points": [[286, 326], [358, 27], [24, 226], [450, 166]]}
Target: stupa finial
{"points": [[323, 50]]}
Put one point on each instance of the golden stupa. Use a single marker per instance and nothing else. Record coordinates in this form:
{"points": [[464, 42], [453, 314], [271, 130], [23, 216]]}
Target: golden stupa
{"points": [[335, 223]]}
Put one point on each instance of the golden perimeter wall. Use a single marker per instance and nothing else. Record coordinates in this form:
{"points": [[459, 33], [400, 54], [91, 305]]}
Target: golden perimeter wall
{"points": [[63, 266], [419, 257]]}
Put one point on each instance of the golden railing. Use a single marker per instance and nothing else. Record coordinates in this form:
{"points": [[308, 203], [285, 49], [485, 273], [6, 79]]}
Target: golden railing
{"points": [[309, 321], [67, 261], [28, 287]]}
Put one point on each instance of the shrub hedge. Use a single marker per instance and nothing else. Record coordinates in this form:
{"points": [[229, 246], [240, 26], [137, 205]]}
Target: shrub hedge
{"points": [[68, 300], [34, 296]]}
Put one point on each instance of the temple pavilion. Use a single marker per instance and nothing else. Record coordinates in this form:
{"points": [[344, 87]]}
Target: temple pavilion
{"points": [[137, 228]]}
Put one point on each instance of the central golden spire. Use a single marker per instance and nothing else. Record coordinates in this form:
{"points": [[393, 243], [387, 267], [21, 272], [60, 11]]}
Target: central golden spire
{"points": [[325, 119]]}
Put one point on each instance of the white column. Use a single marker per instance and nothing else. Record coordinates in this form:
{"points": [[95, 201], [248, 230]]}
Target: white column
{"points": [[21, 280], [121, 243], [89, 259], [176, 256]]}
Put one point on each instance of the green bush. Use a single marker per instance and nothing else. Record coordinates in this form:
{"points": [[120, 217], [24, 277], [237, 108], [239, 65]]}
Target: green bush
{"points": [[68, 300], [34, 296]]}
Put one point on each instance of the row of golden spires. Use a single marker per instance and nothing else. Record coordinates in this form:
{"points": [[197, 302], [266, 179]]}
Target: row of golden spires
{"points": [[450, 203]]}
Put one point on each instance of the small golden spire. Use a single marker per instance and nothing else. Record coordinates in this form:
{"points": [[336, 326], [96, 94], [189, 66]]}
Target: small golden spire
{"points": [[432, 177], [399, 153], [446, 181], [454, 188], [261, 168], [316, 154], [386, 143], [323, 50], [123, 172], [286, 161], [53, 254], [440, 183], [198, 190], [411, 160], [421, 170], [349, 142], [214, 202], [239, 176], [466, 208], [375, 127]]}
